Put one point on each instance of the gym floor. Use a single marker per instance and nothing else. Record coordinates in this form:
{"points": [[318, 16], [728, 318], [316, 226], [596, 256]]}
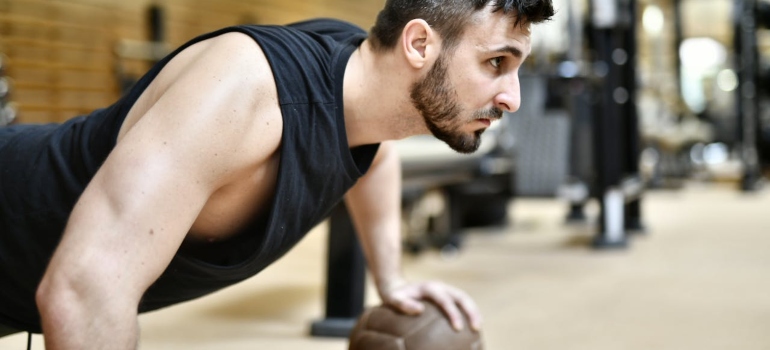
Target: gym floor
{"points": [[700, 279]]}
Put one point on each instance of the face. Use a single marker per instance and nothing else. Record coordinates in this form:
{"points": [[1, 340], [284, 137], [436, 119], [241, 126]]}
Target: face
{"points": [[460, 97]]}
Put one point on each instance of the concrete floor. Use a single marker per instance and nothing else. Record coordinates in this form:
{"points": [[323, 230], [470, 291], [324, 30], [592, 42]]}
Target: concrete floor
{"points": [[700, 279]]}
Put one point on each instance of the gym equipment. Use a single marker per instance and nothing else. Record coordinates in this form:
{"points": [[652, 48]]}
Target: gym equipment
{"points": [[616, 126], [383, 328], [750, 15], [150, 51], [345, 278]]}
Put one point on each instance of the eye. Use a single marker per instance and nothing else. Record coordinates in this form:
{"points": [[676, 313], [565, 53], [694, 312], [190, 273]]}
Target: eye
{"points": [[496, 62]]}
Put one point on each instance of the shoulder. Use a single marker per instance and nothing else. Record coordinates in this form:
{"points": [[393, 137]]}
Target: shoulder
{"points": [[238, 51], [220, 93], [238, 82], [338, 30], [232, 60], [226, 69]]}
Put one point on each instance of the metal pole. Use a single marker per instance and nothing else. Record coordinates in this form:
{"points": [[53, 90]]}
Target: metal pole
{"points": [[610, 21], [747, 58], [346, 278], [633, 209]]}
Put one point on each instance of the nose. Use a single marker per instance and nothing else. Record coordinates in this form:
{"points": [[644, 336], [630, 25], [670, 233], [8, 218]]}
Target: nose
{"points": [[509, 97]]}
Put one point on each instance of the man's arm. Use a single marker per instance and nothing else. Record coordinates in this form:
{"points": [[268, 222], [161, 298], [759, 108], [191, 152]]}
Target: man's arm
{"points": [[375, 206], [134, 214]]}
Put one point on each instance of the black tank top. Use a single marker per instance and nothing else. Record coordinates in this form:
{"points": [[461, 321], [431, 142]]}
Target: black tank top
{"points": [[45, 168]]}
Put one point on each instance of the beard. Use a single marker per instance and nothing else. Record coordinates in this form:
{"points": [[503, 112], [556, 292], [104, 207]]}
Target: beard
{"points": [[436, 100]]}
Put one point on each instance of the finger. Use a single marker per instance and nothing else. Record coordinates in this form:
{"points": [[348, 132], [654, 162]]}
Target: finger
{"points": [[455, 317], [469, 307], [447, 304], [407, 305]]}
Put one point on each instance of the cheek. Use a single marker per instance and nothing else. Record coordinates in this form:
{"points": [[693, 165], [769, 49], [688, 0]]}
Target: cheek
{"points": [[472, 85], [475, 93]]}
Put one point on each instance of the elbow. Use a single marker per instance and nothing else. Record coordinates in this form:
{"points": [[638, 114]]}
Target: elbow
{"points": [[67, 296], [77, 314], [64, 297], [55, 299], [45, 290]]}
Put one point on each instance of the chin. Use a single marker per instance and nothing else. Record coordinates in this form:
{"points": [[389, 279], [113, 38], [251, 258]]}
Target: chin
{"points": [[458, 140], [466, 144]]}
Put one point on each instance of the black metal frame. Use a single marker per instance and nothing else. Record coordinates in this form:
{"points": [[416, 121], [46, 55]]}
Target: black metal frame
{"points": [[616, 129], [747, 101], [346, 278]]}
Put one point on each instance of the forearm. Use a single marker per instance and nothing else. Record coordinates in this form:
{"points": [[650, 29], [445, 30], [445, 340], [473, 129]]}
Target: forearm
{"points": [[382, 247], [113, 248]]}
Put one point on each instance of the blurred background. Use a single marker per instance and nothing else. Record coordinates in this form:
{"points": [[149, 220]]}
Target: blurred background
{"points": [[621, 207]]}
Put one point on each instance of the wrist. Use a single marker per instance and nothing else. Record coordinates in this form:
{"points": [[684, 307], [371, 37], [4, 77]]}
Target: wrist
{"points": [[385, 285]]}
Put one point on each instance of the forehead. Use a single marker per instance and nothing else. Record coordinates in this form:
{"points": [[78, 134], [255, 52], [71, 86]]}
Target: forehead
{"points": [[489, 29]]}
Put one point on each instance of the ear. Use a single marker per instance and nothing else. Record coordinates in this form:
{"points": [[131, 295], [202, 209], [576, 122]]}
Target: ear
{"points": [[420, 43]]}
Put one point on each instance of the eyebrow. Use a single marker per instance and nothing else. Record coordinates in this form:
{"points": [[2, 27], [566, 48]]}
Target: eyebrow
{"points": [[511, 50]]}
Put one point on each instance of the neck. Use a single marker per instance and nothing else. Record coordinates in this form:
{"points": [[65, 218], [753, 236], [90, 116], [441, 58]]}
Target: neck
{"points": [[376, 99]]}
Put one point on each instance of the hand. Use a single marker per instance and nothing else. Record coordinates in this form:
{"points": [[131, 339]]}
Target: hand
{"points": [[406, 298]]}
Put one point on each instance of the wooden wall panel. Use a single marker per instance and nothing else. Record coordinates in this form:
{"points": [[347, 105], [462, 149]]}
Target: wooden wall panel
{"points": [[61, 54]]}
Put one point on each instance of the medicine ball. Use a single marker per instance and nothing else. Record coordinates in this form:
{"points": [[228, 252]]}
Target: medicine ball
{"points": [[384, 328]]}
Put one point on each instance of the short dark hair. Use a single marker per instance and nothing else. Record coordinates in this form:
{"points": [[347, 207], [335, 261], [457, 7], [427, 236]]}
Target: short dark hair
{"points": [[449, 17]]}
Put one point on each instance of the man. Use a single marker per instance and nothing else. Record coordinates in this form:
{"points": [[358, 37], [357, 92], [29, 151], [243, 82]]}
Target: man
{"points": [[229, 150]]}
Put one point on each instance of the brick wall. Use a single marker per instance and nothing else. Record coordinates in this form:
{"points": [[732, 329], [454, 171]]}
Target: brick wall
{"points": [[61, 54]]}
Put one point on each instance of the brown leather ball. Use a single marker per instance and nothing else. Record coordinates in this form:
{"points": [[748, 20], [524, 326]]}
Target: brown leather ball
{"points": [[384, 328]]}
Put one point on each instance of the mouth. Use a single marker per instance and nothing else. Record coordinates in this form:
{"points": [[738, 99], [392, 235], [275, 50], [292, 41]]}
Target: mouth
{"points": [[486, 117], [484, 121]]}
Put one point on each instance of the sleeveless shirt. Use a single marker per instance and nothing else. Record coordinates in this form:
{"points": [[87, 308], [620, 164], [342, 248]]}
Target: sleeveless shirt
{"points": [[45, 168]]}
